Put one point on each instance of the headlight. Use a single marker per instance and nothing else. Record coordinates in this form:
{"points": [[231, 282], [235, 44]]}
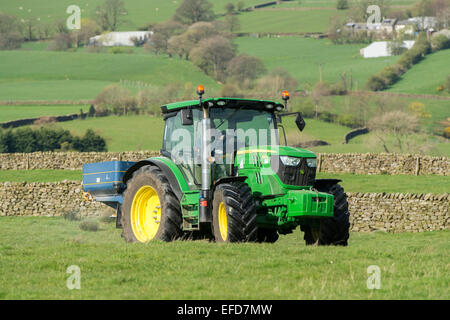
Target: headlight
{"points": [[311, 162], [290, 161]]}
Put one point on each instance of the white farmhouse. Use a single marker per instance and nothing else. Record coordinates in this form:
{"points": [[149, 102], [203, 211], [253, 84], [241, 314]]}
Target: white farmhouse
{"points": [[381, 49], [113, 39]]}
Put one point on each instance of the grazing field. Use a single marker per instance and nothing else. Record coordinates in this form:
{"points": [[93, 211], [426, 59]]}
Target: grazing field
{"points": [[127, 133], [351, 182], [413, 266], [39, 175], [43, 75], [426, 76], [8, 113], [303, 57], [287, 21]]}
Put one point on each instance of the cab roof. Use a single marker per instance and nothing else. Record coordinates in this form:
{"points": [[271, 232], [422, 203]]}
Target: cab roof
{"points": [[223, 103]]}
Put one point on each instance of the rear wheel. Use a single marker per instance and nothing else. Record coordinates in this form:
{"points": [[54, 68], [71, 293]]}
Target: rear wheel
{"points": [[234, 214], [150, 210], [335, 230]]}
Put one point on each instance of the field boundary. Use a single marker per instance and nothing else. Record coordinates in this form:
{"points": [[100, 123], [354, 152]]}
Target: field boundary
{"points": [[403, 95], [395, 212]]}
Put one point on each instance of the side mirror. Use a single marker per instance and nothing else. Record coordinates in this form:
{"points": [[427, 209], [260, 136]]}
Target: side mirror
{"points": [[186, 117], [300, 122]]}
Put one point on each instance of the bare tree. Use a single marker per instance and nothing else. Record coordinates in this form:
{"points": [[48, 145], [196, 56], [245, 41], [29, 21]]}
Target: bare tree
{"points": [[159, 42], [111, 14], [10, 32], [212, 55], [192, 11], [393, 130], [245, 67]]}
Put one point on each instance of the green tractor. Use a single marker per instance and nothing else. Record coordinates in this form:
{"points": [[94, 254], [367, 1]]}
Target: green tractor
{"points": [[223, 175]]}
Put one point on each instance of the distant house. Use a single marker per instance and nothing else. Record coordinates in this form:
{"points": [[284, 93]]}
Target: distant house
{"points": [[113, 39], [381, 49], [387, 26]]}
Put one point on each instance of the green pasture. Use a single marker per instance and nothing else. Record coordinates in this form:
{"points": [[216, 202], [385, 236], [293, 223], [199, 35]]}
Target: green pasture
{"points": [[43, 75], [9, 113], [426, 76]]}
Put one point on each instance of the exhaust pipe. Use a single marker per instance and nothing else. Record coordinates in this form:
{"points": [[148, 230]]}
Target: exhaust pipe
{"points": [[205, 217]]}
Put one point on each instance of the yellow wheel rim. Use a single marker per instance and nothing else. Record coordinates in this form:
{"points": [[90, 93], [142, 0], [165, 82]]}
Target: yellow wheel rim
{"points": [[223, 221], [145, 214]]}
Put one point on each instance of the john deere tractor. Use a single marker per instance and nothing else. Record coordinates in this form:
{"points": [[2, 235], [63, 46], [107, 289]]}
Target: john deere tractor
{"points": [[223, 175]]}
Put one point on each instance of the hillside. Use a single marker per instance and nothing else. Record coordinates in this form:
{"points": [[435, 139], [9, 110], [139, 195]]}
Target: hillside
{"points": [[44, 75], [302, 57], [426, 76]]}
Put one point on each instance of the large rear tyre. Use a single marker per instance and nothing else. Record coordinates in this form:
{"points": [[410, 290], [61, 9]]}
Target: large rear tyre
{"points": [[234, 214], [335, 230], [150, 209]]}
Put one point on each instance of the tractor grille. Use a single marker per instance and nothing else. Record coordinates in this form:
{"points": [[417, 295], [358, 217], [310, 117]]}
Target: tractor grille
{"points": [[300, 175]]}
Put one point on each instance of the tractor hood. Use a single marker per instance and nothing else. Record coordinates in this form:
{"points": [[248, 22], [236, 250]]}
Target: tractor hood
{"points": [[279, 150]]}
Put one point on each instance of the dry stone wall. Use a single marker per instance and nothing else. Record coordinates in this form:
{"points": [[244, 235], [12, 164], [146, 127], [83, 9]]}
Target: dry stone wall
{"points": [[328, 162], [368, 211]]}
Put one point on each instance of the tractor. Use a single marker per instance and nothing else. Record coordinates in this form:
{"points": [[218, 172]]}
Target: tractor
{"points": [[222, 175]]}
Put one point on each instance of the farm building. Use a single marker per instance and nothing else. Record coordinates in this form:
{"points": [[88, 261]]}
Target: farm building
{"points": [[381, 49], [113, 39]]}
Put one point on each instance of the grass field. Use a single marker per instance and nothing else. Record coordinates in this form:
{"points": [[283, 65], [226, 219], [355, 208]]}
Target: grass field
{"points": [[413, 266], [287, 21], [8, 113], [425, 77], [351, 182], [302, 57], [43, 75]]}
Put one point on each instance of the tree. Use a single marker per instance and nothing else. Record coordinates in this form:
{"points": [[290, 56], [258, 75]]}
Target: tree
{"points": [[111, 14], [230, 8], [192, 11], [278, 79], [342, 5], [162, 32], [244, 67], [393, 129], [61, 42], [240, 5], [10, 32], [183, 44], [212, 55], [233, 23]]}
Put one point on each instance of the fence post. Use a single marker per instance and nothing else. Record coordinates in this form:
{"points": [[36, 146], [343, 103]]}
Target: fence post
{"points": [[417, 166]]}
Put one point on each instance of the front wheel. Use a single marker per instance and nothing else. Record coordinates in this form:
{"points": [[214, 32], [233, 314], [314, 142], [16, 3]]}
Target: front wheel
{"points": [[234, 214], [335, 230]]}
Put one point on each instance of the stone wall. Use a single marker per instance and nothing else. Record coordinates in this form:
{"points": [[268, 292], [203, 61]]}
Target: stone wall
{"points": [[328, 162], [383, 163], [369, 211]]}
